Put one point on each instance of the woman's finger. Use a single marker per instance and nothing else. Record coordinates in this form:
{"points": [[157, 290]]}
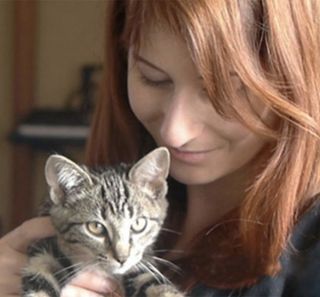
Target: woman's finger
{"points": [[73, 291], [20, 238], [11, 261], [13, 256], [94, 282], [10, 285]]}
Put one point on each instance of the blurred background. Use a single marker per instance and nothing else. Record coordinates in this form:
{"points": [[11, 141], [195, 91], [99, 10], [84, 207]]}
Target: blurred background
{"points": [[51, 52]]}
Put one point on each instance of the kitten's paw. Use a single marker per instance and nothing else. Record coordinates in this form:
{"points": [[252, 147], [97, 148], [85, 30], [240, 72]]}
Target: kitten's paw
{"points": [[163, 291], [36, 294]]}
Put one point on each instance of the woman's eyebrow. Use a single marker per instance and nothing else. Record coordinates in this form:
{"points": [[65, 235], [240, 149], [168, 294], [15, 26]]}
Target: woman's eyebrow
{"points": [[146, 62]]}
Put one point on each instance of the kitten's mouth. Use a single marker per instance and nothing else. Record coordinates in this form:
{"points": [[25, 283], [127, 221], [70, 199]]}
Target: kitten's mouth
{"points": [[121, 270], [126, 266], [112, 266]]}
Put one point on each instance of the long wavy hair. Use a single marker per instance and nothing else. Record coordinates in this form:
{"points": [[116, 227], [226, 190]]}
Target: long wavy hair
{"points": [[274, 48]]}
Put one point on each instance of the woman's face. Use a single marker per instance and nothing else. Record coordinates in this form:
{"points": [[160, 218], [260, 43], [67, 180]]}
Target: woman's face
{"points": [[167, 96]]}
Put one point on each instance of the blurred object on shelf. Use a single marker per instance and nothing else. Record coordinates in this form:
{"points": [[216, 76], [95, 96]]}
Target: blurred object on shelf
{"points": [[49, 129], [83, 99]]}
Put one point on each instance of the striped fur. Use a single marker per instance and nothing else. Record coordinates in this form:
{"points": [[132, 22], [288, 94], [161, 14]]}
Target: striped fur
{"points": [[107, 220]]}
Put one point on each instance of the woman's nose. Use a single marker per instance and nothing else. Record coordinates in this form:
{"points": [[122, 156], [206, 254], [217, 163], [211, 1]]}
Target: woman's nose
{"points": [[180, 123]]}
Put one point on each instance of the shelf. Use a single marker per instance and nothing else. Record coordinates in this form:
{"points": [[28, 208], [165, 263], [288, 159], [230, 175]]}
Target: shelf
{"points": [[50, 129]]}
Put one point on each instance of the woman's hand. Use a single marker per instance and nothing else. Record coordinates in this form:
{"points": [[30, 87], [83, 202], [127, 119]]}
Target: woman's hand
{"points": [[13, 257], [13, 248], [89, 284]]}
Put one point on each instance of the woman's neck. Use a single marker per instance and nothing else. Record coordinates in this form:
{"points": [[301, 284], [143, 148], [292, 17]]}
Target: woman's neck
{"points": [[207, 204]]}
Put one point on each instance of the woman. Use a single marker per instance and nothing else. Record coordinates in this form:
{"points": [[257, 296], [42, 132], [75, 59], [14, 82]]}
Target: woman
{"points": [[232, 89]]}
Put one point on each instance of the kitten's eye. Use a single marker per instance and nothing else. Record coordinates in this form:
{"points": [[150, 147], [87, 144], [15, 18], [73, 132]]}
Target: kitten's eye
{"points": [[139, 225], [96, 229]]}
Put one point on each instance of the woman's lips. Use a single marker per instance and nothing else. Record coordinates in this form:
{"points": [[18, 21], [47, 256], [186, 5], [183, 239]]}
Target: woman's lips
{"points": [[192, 157]]}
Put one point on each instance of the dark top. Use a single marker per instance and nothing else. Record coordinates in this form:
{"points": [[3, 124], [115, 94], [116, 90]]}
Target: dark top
{"points": [[300, 273]]}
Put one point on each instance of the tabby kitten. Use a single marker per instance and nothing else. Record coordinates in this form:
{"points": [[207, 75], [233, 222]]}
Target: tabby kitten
{"points": [[106, 221]]}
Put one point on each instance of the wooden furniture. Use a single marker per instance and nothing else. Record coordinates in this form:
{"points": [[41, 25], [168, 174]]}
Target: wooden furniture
{"points": [[35, 129], [25, 23]]}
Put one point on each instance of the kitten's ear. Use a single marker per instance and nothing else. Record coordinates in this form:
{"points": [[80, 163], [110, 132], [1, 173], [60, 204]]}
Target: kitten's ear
{"points": [[152, 170], [63, 176]]}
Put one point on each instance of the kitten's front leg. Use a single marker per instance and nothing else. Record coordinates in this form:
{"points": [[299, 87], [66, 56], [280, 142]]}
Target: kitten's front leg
{"points": [[144, 284], [163, 290], [38, 277], [47, 270]]}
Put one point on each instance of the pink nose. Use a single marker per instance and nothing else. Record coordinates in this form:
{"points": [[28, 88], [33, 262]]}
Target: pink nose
{"points": [[121, 252], [121, 259]]}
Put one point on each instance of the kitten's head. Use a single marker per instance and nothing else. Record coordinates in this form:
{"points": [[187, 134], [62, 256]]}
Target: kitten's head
{"points": [[108, 218]]}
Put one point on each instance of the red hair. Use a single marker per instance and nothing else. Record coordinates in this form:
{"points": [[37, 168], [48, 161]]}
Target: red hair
{"points": [[273, 46]]}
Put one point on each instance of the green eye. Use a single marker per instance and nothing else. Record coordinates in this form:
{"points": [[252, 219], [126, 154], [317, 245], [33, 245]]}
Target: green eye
{"points": [[96, 229], [139, 225]]}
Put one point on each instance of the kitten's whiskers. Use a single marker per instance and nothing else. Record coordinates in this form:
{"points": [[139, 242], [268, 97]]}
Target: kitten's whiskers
{"points": [[147, 269], [171, 231], [169, 264], [168, 250], [75, 269], [156, 273]]}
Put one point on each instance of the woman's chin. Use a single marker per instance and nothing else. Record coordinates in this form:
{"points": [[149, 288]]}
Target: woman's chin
{"points": [[194, 176]]}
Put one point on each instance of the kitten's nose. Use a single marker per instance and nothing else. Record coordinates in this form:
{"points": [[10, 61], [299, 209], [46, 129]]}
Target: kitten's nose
{"points": [[121, 258], [121, 253]]}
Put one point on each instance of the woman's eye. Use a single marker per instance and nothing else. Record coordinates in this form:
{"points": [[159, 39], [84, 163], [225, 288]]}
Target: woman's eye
{"points": [[154, 83], [139, 225], [96, 229]]}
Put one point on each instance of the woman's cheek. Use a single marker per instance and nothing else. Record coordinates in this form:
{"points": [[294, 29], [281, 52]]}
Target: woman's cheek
{"points": [[143, 102], [135, 96], [139, 106]]}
